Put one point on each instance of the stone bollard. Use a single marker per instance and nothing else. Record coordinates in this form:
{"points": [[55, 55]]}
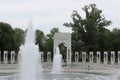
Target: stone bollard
{"points": [[76, 57], [83, 57], [48, 56], [5, 57], [90, 57], [98, 57], [12, 57], [112, 57], [105, 57]]}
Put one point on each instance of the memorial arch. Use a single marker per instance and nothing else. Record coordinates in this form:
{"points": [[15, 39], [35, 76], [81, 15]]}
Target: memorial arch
{"points": [[66, 39]]}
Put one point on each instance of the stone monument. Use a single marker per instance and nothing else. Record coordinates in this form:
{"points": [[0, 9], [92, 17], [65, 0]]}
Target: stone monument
{"points": [[12, 57], [49, 57], [76, 57], [98, 57], [66, 39], [105, 57], [91, 57], [83, 57], [112, 57], [5, 57]]}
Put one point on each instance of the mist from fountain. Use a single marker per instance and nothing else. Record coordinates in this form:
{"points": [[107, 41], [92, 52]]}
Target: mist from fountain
{"points": [[29, 55], [57, 62]]}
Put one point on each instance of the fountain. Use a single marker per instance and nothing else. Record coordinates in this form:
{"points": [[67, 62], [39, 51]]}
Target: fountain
{"points": [[29, 56], [57, 62]]}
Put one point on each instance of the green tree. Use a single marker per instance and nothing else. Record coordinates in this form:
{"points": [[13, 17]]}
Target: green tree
{"points": [[18, 38], [63, 50], [52, 32], [86, 31], [103, 39], [6, 37], [115, 39], [49, 40], [40, 39]]}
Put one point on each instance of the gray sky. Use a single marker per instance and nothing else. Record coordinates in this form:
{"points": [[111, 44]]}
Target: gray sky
{"points": [[47, 14]]}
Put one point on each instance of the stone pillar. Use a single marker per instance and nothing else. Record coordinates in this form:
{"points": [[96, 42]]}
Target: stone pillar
{"points": [[98, 57], [105, 57], [42, 56], [12, 57], [5, 57], [68, 56], [91, 57], [84, 57], [76, 57], [112, 57], [48, 56], [118, 57]]}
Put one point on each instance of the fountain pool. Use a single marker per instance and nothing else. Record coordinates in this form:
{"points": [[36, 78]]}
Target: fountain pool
{"points": [[66, 76]]}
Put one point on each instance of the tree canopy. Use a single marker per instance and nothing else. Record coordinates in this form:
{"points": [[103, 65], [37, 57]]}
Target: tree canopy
{"points": [[18, 38], [6, 37], [88, 31], [40, 39]]}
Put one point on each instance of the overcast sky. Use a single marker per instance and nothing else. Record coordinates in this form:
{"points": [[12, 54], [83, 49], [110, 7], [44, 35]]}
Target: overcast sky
{"points": [[47, 14]]}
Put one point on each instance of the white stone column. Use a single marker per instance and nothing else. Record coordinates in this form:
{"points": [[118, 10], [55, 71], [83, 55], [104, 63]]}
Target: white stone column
{"points": [[83, 57], [42, 56], [105, 57], [12, 57], [118, 57], [70, 59], [112, 57], [90, 57], [5, 57], [48, 56], [67, 59], [76, 57], [98, 57]]}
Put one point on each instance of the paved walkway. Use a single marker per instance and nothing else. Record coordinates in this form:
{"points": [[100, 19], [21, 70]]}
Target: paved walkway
{"points": [[76, 68]]}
